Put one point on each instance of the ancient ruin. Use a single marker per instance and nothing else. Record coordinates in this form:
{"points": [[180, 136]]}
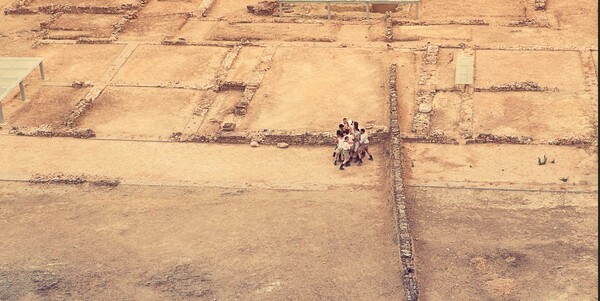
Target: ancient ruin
{"points": [[182, 150]]}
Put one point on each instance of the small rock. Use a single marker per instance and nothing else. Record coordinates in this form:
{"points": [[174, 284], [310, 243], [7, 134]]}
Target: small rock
{"points": [[283, 145], [254, 144], [228, 127], [425, 108]]}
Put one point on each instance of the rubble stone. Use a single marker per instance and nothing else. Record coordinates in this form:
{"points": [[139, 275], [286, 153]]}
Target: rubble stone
{"points": [[425, 108], [60, 178], [228, 127], [263, 8]]}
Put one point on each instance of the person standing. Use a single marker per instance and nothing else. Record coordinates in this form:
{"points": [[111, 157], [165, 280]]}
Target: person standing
{"points": [[337, 154], [346, 152], [363, 149]]}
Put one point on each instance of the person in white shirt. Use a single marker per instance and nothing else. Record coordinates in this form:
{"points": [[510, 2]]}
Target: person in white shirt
{"points": [[347, 123], [363, 148], [356, 142], [337, 154], [346, 152]]}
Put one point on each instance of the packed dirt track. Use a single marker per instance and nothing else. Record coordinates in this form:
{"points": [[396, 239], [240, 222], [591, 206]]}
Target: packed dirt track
{"points": [[182, 150]]}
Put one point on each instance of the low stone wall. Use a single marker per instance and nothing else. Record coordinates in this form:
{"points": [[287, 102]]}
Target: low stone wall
{"points": [[477, 22], [437, 138], [398, 196], [60, 178], [426, 91], [527, 22], [577, 142], [516, 87], [49, 131], [389, 27], [377, 135], [499, 139]]}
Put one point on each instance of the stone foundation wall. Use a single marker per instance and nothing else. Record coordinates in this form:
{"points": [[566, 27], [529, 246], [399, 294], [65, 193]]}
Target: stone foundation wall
{"points": [[49, 131], [60, 178], [515, 87], [499, 139], [377, 135], [398, 196]]}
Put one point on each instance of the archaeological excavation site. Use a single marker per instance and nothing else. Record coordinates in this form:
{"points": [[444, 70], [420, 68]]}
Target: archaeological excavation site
{"points": [[182, 150]]}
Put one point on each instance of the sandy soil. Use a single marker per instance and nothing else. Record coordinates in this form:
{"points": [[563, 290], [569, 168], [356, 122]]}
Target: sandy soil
{"points": [[132, 243], [231, 222], [187, 65], [153, 27], [231, 8], [95, 23], [171, 7], [73, 26], [221, 111], [595, 58], [18, 31], [446, 116], [544, 116], [557, 69], [195, 30], [493, 245], [245, 63], [154, 163], [501, 165], [441, 9], [67, 63], [446, 68], [438, 33], [296, 82], [353, 34], [224, 31], [408, 78], [141, 113], [44, 105], [99, 3]]}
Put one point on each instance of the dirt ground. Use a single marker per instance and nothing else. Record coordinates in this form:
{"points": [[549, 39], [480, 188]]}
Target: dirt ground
{"points": [[501, 177], [296, 81], [483, 243], [133, 243], [142, 113]]}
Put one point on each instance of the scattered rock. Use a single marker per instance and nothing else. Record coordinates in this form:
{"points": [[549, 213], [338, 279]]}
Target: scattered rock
{"points": [[231, 86], [540, 4], [283, 145], [228, 127], [51, 131], [499, 139], [425, 108], [81, 84], [61, 178], [263, 8], [518, 86], [254, 144]]}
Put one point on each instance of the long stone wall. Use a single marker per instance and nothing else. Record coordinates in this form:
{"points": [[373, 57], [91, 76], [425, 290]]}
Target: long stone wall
{"points": [[404, 238], [378, 135]]}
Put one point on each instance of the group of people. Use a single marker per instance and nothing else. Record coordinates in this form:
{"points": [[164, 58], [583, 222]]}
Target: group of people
{"points": [[352, 143]]}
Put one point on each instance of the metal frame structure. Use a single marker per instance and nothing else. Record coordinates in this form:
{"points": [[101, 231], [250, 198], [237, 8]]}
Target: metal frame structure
{"points": [[13, 70], [366, 2]]}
